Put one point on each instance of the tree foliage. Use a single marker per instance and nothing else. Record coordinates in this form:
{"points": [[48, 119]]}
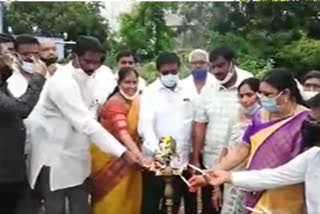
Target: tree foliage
{"points": [[57, 18], [264, 34], [144, 29]]}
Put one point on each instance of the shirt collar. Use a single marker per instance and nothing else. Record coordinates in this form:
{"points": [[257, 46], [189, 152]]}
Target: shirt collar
{"points": [[237, 83]]}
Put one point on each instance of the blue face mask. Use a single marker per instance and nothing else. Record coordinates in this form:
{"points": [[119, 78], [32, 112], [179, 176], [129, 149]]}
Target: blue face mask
{"points": [[269, 103], [199, 74], [169, 80]]}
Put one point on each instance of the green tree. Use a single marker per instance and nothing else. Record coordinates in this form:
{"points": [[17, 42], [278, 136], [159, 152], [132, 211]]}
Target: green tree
{"points": [[57, 18], [144, 29]]}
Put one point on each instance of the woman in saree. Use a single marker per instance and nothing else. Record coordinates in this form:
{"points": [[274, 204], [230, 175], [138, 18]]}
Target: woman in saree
{"points": [[250, 106], [273, 139], [116, 186]]}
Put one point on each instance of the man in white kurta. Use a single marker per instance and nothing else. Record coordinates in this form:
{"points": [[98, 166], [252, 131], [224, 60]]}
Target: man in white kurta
{"points": [[62, 128]]}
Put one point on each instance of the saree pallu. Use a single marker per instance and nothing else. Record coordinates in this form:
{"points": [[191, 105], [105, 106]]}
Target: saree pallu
{"points": [[117, 188], [274, 144]]}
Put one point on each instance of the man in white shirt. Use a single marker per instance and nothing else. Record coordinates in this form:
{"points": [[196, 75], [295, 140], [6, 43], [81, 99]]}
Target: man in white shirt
{"points": [[200, 76], [127, 58], [217, 106], [165, 110], [26, 47], [62, 128]]}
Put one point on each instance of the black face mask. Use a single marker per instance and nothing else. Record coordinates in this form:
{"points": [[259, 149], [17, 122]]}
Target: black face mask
{"points": [[49, 61], [6, 72], [311, 133]]}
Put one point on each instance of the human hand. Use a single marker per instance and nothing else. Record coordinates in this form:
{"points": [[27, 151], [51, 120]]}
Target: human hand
{"points": [[217, 177], [196, 182], [39, 67], [133, 159]]}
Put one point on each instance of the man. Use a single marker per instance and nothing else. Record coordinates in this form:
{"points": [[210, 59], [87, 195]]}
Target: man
{"points": [[48, 54], [166, 110], [27, 49], [199, 77], [12, 137], [195, 83], [217, 107], [63, 127], [127, 58], [8, 41], [103, 83], [311, 84]]}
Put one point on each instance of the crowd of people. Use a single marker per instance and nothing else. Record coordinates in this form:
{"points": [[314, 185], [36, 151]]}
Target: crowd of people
{"points": [[78, 138]]}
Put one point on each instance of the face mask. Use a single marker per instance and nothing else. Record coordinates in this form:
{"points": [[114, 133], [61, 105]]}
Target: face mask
{"points": [[251, 110], [49, 61], [270, 103], [169, 80], [27, 67], [199, 74], [228, 76], [128, 97], [310, 133], [307, 95]]}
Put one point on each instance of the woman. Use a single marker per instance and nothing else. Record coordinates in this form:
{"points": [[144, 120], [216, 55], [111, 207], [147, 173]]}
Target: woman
{"points": [[273, 139], [116, 186], [303, 168], [248, 98]]}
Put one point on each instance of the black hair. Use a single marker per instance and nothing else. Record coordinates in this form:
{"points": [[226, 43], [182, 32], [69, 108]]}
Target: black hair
{"points": [[126, 53], [226, 52], [309, 75], [4, 38], [167, 58], [25, 39], [314, 102], [281, 79], [122, 74], [252, 82], [87, 43]]}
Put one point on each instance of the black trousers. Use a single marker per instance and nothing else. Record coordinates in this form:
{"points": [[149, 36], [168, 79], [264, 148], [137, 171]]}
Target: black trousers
{"points": [[55, 201], [30, 201], [10, 195], [153, 189]]}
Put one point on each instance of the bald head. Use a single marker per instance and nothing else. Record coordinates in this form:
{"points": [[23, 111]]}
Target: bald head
{"points": [[48, 51]]}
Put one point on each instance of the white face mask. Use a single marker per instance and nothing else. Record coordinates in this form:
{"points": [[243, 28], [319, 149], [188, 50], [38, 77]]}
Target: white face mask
{"points": [[228, 76], [27, 67], [128, 97], [169, 80], [307, 95], [251, 110]]}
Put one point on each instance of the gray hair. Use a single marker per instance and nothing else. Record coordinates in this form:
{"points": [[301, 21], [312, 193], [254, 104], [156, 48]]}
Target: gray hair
{"points": [[198, 51]]}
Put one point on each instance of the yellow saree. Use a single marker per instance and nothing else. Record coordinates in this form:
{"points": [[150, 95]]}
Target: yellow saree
{"points": [[273, 144], [116, 187]]}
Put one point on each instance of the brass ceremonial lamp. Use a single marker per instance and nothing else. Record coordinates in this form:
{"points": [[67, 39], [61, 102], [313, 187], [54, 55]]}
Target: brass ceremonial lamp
{"points": [[166, 150]]}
